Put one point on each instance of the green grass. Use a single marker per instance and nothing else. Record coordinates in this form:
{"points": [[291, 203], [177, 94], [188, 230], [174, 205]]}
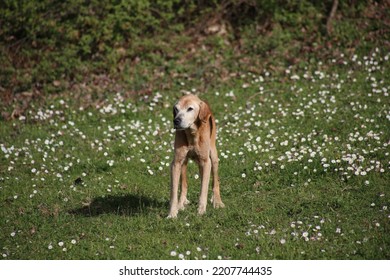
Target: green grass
{"points": [[304, 167]]}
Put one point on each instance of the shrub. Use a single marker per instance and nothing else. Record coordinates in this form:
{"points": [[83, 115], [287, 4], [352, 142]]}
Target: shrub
{"points": [[42, 41]]}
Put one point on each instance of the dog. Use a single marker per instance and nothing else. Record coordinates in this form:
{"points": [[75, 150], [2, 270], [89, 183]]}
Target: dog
{"points": [[195, 138]]}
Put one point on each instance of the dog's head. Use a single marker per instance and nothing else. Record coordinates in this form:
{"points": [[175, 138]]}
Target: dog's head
{"points": [[188, 111]]}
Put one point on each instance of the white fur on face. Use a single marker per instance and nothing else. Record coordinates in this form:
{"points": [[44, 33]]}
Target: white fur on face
{"points": [[185, 115]]}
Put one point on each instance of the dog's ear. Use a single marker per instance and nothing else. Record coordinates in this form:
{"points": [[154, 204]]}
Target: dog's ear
{"points": [[204, 111]]}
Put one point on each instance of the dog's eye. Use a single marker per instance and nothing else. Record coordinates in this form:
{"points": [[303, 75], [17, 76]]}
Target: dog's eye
{"points": [[190, 109], [175, 110]]}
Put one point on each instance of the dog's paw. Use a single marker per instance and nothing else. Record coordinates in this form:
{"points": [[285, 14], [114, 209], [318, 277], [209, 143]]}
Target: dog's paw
{"points": [[172, 214], [201, 210], [218, 204], [182, 204]]}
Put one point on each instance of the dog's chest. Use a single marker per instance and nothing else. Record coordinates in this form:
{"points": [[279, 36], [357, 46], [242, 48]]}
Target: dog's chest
{"points": [[197, 154], [196, 146], [193, 153]]}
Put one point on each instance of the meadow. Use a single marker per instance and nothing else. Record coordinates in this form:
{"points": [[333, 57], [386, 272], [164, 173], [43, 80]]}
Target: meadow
{"points": [[304, 168]]}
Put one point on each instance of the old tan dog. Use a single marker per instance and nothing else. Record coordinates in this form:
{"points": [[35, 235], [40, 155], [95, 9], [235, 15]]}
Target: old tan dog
{"points": [[195, 139]]}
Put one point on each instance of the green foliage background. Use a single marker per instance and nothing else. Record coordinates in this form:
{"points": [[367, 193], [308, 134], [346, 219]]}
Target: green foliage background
{"points": [[42, 41]]}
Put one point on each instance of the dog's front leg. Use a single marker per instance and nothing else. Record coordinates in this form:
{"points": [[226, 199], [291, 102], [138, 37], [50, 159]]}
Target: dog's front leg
{"points": [[183, 201], [175, 176], [205, 169]]}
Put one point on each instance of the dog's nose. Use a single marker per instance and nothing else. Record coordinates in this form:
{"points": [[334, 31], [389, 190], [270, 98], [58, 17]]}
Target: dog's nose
{"points": [[177, 121]]}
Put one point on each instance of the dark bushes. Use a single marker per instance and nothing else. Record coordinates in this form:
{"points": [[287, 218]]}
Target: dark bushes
{"points": [[45, 41]]}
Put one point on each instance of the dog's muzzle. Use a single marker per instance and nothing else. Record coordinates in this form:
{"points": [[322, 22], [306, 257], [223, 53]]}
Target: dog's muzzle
{"points": [[176, 123]]}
